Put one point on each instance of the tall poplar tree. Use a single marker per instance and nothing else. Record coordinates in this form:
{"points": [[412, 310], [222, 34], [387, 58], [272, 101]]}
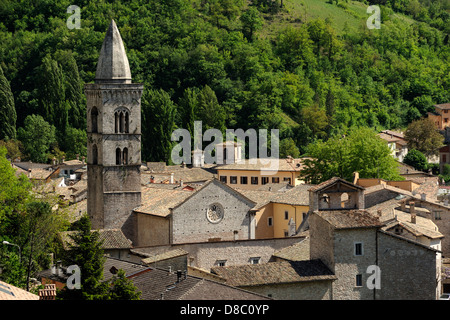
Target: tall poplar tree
{"points": [[8, 114]]}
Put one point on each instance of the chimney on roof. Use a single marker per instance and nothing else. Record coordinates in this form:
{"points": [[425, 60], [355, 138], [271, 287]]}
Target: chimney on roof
{"points": [[379, 213], [423, 196], [355, 177], [412, 211], [179, 274], [403, 206], [171, 178], [181, 184], [48, 293]]}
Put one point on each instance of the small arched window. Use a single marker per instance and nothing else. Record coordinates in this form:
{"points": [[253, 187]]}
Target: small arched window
{"points": [[94, 120], [125, 156], [121, 121], [94, 154]]}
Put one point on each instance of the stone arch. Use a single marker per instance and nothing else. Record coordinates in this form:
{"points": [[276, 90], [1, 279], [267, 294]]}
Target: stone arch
{"points": [[125, 156], [118, 156], [121, 120]]}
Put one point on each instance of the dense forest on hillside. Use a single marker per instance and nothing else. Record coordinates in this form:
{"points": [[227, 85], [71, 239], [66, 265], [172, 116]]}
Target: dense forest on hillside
{"points": [[229, 63]]}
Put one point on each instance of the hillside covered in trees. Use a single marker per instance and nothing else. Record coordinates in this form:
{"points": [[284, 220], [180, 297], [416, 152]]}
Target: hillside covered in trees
{"points": [[310, 68]]}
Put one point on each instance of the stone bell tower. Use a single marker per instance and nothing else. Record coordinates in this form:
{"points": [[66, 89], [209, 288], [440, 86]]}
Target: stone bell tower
{"points": [[114, 139]]}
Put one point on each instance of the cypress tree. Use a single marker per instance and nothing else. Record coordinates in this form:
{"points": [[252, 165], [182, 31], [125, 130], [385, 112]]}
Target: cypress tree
{"points": [[8, 114]]}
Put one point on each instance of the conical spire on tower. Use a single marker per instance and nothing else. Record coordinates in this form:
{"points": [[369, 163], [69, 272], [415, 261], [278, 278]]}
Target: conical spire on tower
{"points": [[113, 66]]}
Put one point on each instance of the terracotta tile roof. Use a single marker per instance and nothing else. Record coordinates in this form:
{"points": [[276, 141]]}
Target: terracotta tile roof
{"points": [[164, 256], [298, 195], [296, 252], [349, 219], [162, 173], [260, 198], [332, 181], [111, 238], [256, 164], [423, 226], [10, 292], [211, 290], [443, 106], [112, 265], [158, 284], [274, 273], [158, 201]]}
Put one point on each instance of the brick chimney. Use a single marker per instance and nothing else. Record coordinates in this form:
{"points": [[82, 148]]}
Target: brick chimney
{"points": [[48, 293]]}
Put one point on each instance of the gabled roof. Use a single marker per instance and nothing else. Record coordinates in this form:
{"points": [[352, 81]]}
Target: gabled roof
{"points": [[159, 201], [334, 181], [111, 239], [275, 273], [159, 284], [297, 252], [442, 106], [10, 292], [224, 186], [349, 219], [297, 196], [164, 256], [422, 227]]}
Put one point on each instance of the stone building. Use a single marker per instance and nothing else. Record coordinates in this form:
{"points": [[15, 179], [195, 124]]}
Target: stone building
{"points": [[114, 139], [215, 212], [354, 246]]}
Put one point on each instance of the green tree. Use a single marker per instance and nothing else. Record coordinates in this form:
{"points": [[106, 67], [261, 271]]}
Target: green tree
{"points": [[122, 288], [75, 142], [14, 193], [288, 148], [210, 112], [424, 136], [316, 119], [37, 137], [158, 124], [251, 22], [86, 253], [416, 159], [52, 94], [14, 148], [8, 114], [361, 151]]}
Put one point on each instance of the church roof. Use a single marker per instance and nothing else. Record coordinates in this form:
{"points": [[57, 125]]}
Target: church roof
{"points": [[113, 63]]}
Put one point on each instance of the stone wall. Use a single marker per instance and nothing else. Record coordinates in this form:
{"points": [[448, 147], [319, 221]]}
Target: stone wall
{"points": [[152, 230], [190, 223], [408, 271], [348, 265], [311, 290], [321, 240], [207, 254]]}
